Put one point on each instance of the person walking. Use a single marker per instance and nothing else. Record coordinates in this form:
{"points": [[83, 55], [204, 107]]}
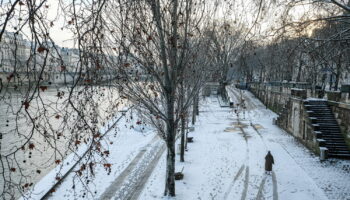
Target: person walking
{"points": [[268, 163]]}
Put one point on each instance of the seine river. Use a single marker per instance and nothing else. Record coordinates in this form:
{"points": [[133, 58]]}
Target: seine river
{"points": [[29, 165]]}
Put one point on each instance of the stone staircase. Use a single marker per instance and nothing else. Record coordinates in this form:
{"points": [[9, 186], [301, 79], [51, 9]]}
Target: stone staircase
{"points": [[327, 129]]}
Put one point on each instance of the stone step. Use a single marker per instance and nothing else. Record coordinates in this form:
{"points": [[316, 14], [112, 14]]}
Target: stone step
{"points": [[334, 144], [338, 148], [320, 121], [316, 103], [316, 106], [335, 141], [331, 134], [323, 118], [319, 108], [330, 121], [329, 127], [332, 149], [319, 113], [326, 120], [328, 124], [322, 115], [329, 130], [336, 155], [332, 137], [328, 137]]}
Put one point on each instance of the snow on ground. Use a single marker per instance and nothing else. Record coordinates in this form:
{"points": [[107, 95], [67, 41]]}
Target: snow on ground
{"points": [[332, 176], [225, 161], [126, 141], [221, 164]]}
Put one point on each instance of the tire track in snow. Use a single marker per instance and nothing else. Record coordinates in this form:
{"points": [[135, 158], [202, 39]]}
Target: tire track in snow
{"points": [[274, 179], [260, 196], [120, 180], [141, 183], [259, 134], [234, 181], [246, 161], [246, 181], [246, 178], [254, 105], [274, 183]]}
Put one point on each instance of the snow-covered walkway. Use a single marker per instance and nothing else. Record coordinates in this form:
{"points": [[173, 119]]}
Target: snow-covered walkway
{"points": [[226, 160]]}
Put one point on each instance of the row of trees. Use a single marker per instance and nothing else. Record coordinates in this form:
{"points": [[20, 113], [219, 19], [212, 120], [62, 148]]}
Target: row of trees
{"points": [[312, 48], [158, 55]]}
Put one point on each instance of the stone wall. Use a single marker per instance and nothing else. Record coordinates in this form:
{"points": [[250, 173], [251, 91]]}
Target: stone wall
{"points": [[288, 103], [342, 113]]}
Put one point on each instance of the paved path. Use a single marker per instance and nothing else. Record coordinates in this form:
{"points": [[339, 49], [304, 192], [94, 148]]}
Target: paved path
{"points": [[129, 184], [332, 176], [238, 146]]}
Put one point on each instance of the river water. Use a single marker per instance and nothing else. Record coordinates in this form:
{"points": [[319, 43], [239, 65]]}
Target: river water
{"points": [[34, 139]]}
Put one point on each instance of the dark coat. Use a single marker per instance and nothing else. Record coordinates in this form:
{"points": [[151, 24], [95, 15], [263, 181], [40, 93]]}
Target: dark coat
{"points": [[268, 162]]}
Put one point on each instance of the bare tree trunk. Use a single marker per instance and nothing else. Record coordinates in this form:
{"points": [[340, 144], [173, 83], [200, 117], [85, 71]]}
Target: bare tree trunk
{"points": [[170, 179], [182, 151], [171, 132], [299, 69], [337, 75], [186, 133], [183, 123], [194, 112], [197, 104]]}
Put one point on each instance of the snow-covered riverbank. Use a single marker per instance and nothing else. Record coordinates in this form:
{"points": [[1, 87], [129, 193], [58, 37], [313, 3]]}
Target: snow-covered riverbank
{"points": [[221, 164], [225, 161]]}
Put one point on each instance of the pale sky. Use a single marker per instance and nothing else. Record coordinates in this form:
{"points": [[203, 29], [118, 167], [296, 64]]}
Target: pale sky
{"points": [[243, 12]]}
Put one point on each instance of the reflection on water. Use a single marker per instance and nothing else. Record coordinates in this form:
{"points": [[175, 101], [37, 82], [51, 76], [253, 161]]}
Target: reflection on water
{"points": [[35, 137]]}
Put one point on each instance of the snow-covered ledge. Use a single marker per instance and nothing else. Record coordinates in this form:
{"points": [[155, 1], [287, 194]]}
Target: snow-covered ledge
{"points": [[323, 153]]}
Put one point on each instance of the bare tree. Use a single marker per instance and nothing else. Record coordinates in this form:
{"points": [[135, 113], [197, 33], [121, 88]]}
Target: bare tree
{"points": [[43, 121], [225, 40], [158, 41]]}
